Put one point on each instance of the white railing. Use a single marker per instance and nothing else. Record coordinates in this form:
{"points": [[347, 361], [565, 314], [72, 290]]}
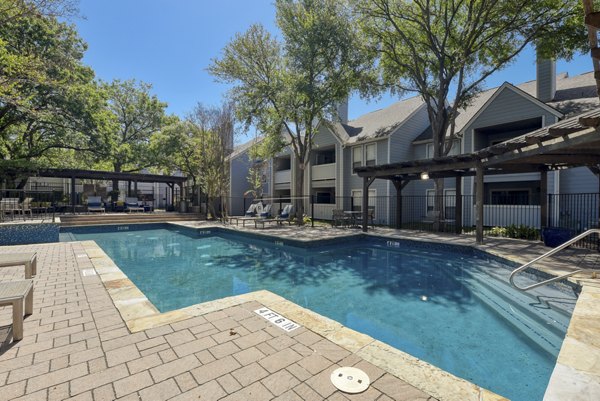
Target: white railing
{"points": [[323, 211], [283, 176], [323, 172], [505, 215], [547, 254]]}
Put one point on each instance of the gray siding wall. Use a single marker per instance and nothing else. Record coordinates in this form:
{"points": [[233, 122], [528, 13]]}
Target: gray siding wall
{"points": [[507, 107], [354, 182], [401, 140], [578, 180]]}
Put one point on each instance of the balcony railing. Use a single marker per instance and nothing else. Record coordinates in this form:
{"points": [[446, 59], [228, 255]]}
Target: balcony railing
{"points": [[283, 176], [323, 172]]}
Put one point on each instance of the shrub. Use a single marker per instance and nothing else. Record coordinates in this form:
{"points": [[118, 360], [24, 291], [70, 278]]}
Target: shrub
{"points": [[498, 232], [522, 232]]}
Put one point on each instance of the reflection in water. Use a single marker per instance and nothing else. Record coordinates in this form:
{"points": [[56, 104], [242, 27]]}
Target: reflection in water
{"points": [[420, 301]]}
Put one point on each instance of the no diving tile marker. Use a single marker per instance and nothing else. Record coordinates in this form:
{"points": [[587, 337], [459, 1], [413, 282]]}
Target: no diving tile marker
{"points": [[278, 320]]}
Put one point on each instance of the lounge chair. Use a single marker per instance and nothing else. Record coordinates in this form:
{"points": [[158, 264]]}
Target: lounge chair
{"points": [[132, 205], [251, 212], [266, 212], [94, 204], [17, 294], [287, 214]]}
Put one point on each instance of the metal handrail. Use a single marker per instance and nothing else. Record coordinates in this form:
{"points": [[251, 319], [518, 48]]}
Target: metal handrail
{"points": [[547, 254]]}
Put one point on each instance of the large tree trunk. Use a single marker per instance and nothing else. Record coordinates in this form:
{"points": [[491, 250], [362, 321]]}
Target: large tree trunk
{"points": [[299, 186]]}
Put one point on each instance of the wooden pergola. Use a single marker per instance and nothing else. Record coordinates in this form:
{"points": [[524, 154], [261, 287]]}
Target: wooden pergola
{"points": [[574, 142]]}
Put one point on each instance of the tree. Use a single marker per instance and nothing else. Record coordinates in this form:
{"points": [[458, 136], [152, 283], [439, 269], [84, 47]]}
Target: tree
{"points": [[285, 88], [198, 147], [136, 116], [445, 49], [48, 98]]}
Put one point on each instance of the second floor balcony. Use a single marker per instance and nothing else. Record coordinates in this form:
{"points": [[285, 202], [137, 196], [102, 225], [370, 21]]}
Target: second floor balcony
{"points": [[323, 172], [282, 176]]}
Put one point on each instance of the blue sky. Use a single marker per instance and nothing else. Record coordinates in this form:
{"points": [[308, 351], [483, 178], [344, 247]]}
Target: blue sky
{"points": [[170, 43]]}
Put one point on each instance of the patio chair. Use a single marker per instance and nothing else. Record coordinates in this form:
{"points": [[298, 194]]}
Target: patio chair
{"points": [[94, 204], [9, 206], [25, 207], [338, 217], [432, 217], [370, 218], [287, 214], [17, 294], [132, 205]]}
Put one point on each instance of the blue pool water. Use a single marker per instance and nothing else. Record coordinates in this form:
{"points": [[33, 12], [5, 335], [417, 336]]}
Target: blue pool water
{"points": [[441, 304]]}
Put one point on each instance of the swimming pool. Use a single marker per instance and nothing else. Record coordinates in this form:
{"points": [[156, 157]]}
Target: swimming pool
{"points": [[446, 305]]}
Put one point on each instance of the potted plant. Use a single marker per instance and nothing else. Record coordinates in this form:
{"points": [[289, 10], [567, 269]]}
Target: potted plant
{"points": [[556, 236]]}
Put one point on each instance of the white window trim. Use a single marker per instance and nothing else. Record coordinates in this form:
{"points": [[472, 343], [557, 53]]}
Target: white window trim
{"points": [[446, 190], [352, 158], [429, 145], [374, 191], [365, 152]]}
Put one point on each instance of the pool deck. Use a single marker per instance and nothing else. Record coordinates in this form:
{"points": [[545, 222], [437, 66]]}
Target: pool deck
{"points": [[94, 336]]}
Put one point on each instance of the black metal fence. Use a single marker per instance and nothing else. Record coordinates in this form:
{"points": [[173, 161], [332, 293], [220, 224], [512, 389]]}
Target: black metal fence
{"points": [[503, 216]]}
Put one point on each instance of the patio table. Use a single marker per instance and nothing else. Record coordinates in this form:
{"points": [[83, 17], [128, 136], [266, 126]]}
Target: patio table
{"points": [[352, 214]]}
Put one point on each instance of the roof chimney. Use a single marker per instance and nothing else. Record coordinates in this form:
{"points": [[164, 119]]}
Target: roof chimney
{"points": [[342, 111], [545, 83]]}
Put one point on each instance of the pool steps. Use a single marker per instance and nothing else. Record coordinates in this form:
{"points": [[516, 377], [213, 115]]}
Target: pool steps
{"points": [[519, 310]]}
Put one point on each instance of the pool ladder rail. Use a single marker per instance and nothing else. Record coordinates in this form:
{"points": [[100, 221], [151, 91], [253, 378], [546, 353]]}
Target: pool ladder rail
{"points": [[548, 254]]}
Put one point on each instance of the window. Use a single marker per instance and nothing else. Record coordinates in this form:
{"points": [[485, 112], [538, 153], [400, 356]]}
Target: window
{"points": [[510, 197], [357, 199], [430, 200], [371, 154], [324, 197], [454, 150], [449, 202], [356, 157]]}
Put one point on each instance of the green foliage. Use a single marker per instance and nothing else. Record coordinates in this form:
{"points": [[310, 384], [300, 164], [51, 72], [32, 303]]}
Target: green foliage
{"points": [[198, 147], [48, 98], [287, 87], [135, 116], [522, 232], [444, 50], [498, 232]]}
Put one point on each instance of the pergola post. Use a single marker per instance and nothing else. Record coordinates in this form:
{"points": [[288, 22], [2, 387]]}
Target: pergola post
{"points": [[398, 184], [365, 202], [135, 188], [458, 205], [479, 203], [73, 194], [543, 198]]}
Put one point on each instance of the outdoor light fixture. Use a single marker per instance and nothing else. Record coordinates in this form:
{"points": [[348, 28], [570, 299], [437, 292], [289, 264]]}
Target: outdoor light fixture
{"points": [[424, 176]]}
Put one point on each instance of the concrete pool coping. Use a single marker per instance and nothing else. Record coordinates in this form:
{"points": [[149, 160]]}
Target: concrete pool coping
{"points": [[577, 363]]}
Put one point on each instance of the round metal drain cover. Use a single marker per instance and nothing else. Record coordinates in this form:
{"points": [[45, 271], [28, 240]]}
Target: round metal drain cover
{"points": [[350, 380]]}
